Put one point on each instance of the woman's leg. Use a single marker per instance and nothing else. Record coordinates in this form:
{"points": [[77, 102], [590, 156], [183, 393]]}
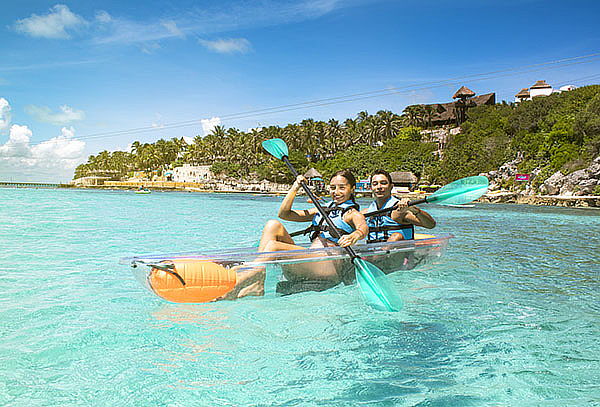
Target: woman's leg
{"points": [[318, 270], [274, 231], [251, 280]]}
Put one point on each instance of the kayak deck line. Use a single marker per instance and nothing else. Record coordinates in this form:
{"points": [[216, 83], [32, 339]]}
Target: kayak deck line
{"points": [[250, 254], [196, 277]]}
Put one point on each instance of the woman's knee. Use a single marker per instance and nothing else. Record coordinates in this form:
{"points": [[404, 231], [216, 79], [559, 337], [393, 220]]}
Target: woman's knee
{"points": [[273, 225]]}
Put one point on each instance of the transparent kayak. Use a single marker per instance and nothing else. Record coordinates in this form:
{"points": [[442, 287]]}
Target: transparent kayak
{"points": [[206, 275]]}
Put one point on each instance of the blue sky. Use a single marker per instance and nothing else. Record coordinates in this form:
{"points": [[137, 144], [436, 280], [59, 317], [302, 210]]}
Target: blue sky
{"points": [[74, 69]]}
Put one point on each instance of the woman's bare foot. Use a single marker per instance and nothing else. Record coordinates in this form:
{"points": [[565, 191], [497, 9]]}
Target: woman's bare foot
{"points": [[250, 282]]}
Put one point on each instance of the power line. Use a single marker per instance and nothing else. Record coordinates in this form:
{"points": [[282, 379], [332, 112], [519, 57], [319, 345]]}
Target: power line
{"points": [[354, 97]]}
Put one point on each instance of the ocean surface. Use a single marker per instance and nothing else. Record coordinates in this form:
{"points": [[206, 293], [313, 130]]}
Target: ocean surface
{"points": [[508, 316]]}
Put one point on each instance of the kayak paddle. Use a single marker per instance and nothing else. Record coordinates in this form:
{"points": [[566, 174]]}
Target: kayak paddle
{"points": [[371, 280], [459, 192]]}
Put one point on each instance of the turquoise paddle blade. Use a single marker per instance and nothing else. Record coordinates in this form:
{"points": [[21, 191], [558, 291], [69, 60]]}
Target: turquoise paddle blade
{"points": [[461, 191], [276, 147], [374, 286]]}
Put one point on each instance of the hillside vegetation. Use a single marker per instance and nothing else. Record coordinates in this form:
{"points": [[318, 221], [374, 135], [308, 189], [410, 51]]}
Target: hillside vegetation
{"points": [[557, 132]]}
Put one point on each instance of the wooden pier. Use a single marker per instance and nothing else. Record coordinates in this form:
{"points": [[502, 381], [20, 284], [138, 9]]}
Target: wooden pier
{"points": [[32, 185]]}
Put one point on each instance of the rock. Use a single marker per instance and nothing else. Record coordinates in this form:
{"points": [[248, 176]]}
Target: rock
{"points": [[553, 184], [594, 169], [582, 182]]}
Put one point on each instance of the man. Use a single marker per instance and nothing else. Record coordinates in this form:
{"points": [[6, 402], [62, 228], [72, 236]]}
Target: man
{"points": [[397, 224]]}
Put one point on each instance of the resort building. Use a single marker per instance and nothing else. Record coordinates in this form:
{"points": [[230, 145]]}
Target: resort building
{"points": [[540, 88], [90, 181], [403, 181], [454, 113], [192, 173]]}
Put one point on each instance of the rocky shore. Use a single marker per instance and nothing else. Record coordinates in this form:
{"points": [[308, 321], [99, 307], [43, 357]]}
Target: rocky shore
{"points": [[580, 188], [585, 201]]}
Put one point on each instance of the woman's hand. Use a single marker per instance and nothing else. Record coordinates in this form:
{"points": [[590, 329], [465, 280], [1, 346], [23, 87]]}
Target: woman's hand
{"points": [[298, 182], [350, 239]]}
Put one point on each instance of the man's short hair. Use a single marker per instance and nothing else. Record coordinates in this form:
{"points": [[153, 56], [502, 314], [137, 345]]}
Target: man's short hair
{"points": [[381, 172]]}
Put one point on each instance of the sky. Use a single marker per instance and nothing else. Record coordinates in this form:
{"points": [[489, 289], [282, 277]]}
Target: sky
{"points": [[79, 77]]}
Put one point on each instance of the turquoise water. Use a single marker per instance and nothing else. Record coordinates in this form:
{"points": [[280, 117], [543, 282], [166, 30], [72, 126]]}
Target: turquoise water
{"points": [[510, 315]]}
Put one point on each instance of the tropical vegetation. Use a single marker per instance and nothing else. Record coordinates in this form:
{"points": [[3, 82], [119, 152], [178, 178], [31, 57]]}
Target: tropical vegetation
{"points": [[557, 132]]}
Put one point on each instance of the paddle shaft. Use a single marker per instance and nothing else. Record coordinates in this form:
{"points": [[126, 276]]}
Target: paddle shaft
{"points": [[394, 207], [434, 198], [333, 228]]}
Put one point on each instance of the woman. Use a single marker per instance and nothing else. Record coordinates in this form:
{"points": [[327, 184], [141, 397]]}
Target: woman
{"points": [[345, 214]]}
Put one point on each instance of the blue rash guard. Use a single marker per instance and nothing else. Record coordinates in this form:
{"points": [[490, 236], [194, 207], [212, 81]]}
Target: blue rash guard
{"points": [[382, 226], [336, 214]]}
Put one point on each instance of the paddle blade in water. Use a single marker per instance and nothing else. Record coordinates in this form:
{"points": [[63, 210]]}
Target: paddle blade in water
{"points": [[374, 286], [276, 147], [460, 192]]}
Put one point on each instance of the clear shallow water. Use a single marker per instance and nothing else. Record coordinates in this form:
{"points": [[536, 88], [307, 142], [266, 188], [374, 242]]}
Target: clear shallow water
{"points": [[509, 316]]}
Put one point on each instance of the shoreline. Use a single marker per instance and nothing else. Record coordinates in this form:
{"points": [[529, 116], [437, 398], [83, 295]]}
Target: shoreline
{"points": [[504, 197]]}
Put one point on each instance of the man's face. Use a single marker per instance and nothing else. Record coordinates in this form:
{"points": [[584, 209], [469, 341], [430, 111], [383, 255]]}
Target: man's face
{"points": [[380, 186]]}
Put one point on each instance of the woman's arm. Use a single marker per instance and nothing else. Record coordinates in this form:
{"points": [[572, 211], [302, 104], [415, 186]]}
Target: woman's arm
{"points": [[356, 219], [285, 209]]}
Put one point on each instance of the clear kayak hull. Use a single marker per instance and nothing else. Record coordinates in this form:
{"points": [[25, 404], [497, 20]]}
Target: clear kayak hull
{"points": [[205, 276]]}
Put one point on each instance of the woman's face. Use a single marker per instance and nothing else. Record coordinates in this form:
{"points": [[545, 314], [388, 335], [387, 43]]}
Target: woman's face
{"points": [[340, 189]]}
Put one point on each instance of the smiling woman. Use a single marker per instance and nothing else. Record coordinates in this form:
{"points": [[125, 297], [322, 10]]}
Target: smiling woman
{"points": [[343, 211]]}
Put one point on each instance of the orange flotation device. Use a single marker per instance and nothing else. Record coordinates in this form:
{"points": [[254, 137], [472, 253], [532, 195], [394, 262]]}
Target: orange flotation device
{"points": [[190, 280]]}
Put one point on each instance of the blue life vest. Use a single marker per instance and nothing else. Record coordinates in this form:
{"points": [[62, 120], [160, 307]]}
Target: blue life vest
{"points": [[336, 214], [382, 226]]}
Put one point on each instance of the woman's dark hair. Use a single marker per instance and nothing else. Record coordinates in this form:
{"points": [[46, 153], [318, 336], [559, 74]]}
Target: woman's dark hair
{"points": [[348, 175], [382, 172], [351, 180]]}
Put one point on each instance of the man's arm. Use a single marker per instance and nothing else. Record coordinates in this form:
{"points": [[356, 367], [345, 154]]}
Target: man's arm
{"points": [[412, 215]]}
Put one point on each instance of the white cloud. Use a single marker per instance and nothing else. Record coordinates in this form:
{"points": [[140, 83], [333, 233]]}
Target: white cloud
{"points": [[150, 48], [211, 18], [209, 124], [103, 17], [104, 28], [49, 161], [44, 114], [4, 114], [227, 45], [63, 147], [52, 25], [172, 28]]}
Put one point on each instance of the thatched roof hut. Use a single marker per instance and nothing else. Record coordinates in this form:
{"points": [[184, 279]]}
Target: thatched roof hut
{"points": [[541, 85], [463, 93], [524, 93], [403, 178], [312, 173], [445, 113]]}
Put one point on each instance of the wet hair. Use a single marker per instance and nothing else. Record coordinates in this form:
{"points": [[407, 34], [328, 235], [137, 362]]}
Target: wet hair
{"points": [[351, 180], [382, 172]]}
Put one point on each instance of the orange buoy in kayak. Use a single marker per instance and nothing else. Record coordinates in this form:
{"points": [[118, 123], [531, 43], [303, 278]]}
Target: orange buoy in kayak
{"points": [[190, 280]]}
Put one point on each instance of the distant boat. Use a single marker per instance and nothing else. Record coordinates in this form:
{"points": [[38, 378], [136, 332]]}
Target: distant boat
{"points": [[461, 206], [143, 191]]}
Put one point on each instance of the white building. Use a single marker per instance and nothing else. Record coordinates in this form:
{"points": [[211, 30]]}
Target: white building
{"points": [[192, 173], [540, 88], [567, 88]]}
